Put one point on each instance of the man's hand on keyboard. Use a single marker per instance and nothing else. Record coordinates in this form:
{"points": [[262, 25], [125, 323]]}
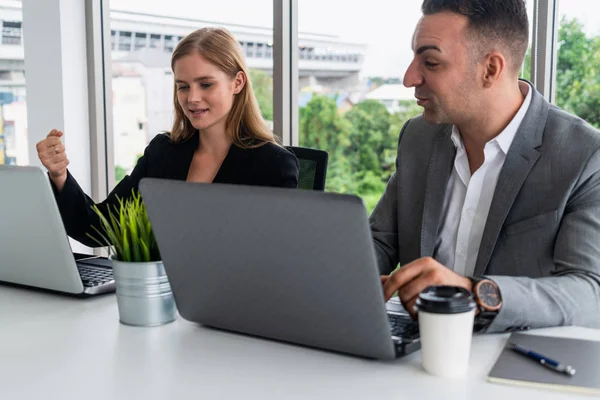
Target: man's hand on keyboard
{"points": [[412, 278]]}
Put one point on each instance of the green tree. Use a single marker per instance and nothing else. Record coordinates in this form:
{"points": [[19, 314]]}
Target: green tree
{"points": [[369, 124], [361, 143], [262, 83], [321, 127], [578, 72]]}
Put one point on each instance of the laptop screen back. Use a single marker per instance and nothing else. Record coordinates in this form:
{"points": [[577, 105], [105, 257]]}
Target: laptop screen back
{"points": [[286, 264], [34, 246]]}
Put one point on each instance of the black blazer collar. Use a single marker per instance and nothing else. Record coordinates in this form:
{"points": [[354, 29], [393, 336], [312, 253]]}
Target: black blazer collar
{"points": [[233, 168]]}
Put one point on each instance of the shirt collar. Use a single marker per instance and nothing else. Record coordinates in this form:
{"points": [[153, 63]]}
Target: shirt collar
{"points": [[505, 138], [456, 138]]}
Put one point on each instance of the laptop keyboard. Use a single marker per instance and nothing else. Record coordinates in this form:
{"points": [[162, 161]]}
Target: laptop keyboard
{"points": [[403, 326], [93, 276]]}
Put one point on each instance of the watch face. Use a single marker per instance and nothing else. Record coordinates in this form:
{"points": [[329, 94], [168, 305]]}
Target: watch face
{"points": [[489, 295]]}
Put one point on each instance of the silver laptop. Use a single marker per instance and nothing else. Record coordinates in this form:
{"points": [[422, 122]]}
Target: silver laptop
{"points": [[291, 265], [34, 248]]}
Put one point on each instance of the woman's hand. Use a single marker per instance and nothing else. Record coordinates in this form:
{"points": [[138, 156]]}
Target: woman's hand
{"points": [[51, 153]]}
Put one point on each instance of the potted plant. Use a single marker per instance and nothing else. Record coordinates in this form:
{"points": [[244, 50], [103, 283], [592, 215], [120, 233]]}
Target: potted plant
{"points": [[144, 296]]}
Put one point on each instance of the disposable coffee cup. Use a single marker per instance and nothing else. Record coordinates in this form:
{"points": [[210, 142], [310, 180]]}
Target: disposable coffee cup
{"points": [[446, 316]]}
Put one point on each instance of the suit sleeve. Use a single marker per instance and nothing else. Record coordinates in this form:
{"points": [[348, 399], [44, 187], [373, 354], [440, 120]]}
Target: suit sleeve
{"points": [[571, 296], [286, 169], [76, 207], [384, 222]]}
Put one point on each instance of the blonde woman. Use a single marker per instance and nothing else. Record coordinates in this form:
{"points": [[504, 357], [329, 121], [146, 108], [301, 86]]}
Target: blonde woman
{"points": [[218, 134]]}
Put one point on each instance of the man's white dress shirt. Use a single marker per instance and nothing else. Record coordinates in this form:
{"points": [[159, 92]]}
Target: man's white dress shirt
{"points": [[468, 197]]}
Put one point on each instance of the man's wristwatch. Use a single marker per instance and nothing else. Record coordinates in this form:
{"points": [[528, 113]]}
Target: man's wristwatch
{"points": [[489, 301]]}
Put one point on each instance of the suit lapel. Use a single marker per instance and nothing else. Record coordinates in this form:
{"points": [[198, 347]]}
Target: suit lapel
{"points": [[520, 159], [440, 166]]}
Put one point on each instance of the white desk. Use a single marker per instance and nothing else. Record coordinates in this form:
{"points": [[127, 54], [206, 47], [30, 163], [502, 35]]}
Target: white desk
{"points": [[54, 347]]}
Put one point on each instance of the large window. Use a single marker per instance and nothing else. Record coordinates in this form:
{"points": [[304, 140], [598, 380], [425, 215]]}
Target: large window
{"points": [[13, 110], [144, 36], [351, 62], [578, 65]]}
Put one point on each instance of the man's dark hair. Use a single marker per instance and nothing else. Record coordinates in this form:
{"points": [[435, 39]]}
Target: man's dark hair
{"points": [[493, 23]]}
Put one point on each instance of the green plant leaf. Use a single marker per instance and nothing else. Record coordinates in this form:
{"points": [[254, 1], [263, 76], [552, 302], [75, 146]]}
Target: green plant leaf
{"points": [[126, 229]]}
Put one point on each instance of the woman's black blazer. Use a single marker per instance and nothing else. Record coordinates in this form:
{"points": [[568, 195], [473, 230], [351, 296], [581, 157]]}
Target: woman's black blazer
{"points": [[268, 165]]}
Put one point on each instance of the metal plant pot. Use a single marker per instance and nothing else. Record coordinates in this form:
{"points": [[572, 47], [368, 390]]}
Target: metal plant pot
{"points": [[144, 294]]}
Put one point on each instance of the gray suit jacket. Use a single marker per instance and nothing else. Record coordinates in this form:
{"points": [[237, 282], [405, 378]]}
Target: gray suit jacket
{"points": [[541, 242]]}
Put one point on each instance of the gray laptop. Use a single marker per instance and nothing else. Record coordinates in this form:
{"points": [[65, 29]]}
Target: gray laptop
{"points": [[291, 265], [34, 248]]}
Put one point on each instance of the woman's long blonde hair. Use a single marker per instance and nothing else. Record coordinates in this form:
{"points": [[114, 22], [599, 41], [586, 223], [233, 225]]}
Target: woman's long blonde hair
{"points": [[244, 121]]}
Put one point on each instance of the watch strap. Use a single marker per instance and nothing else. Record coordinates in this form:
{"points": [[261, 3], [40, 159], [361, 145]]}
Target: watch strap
{"points": [[483, 320]]}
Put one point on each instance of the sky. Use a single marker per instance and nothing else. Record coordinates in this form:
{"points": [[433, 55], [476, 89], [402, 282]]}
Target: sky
{"points": [[385, 26]]}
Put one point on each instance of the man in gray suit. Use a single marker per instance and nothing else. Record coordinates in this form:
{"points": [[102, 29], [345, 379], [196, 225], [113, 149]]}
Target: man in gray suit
{"points": [[495, 189]]}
